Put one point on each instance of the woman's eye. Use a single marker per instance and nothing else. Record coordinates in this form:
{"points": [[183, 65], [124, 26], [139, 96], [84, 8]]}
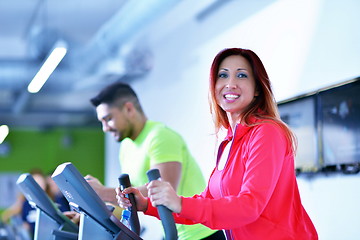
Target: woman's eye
{"points": [[222, 75], [241, 75]]}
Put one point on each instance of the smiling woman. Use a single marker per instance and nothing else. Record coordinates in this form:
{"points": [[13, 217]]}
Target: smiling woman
{"points": [[235, 87], [252, 192]]}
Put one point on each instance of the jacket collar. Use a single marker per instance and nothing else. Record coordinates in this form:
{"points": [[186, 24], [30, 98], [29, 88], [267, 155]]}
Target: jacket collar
{"points": [[240, 129]]}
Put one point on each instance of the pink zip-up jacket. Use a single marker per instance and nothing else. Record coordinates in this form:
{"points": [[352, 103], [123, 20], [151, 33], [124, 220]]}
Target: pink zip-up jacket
{"points": [[258, 196]]}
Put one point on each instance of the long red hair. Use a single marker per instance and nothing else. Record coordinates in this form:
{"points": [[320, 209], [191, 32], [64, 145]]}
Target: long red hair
{"points": [[264, 105]]}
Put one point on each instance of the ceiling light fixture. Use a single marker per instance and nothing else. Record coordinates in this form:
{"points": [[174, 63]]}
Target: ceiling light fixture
{"points": [[4, 131], [48, 67]]}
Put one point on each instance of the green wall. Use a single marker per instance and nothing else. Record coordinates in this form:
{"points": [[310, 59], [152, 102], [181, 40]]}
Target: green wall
{"points": [[46, 149]]}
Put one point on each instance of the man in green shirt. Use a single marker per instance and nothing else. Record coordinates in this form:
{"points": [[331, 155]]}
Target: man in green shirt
{"points": [[145, 145]]}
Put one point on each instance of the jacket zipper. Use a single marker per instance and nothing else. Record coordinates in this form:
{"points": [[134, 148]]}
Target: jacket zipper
{"points": [[228, 233]]}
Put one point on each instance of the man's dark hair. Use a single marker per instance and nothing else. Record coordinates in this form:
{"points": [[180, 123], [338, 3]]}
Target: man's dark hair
{"points": [[116, 94]]}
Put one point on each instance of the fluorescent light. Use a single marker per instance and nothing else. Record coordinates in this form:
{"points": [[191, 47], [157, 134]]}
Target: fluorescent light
{"points": [[4, 131], [47, 68]]}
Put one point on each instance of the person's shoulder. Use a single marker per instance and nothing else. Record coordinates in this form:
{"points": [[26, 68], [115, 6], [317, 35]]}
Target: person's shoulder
{"points": [[267, 126], [161, 128]]}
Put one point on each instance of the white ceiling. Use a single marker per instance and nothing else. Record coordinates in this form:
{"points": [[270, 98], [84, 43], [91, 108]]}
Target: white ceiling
{"points": [[98, 35], [102, 45], [106, 43]]}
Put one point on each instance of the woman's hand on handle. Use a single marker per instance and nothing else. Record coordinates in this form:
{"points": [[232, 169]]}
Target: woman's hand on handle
{"points": [[141, 201], [162, 193]]}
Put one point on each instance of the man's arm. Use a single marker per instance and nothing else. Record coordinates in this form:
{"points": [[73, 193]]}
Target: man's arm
{"points": [[107, 194], [169, 172]]}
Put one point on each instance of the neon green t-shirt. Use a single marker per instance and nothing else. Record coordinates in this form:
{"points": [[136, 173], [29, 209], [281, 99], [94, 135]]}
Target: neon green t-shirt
{"points": [[158, 144]]}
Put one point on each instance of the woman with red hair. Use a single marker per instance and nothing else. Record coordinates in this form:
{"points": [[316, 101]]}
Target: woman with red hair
{"points": [[252, 192]]}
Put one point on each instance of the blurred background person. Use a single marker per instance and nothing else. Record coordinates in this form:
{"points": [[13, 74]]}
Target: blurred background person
{"points": [[57, 196], [21, 212]]}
